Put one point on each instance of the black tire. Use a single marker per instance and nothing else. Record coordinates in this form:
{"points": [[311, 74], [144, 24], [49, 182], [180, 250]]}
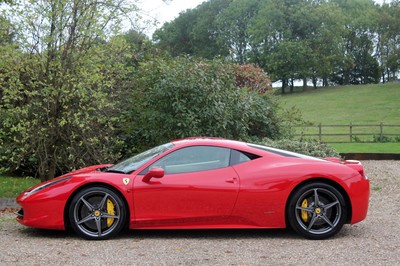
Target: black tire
{"points": [[97, 213], [317, 211]]}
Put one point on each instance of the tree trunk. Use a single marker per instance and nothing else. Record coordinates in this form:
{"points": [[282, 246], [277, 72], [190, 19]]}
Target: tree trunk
{"points": [[346, 77], [51, 171], [314, 81], [325, 82], [48, 162], [284, 85], [291, 85]]}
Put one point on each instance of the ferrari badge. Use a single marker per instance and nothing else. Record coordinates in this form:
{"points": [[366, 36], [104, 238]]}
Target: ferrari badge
{"points": [[126, 181]]}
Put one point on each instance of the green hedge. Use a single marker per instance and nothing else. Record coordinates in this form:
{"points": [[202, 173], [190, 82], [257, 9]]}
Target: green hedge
{"points": [[307, 147]]}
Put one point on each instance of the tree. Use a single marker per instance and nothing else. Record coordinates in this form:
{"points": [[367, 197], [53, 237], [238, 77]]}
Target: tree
{"points": [[388, 46], [325, 42], [175, 35], [233, 24], [7, 30], [357, 42], [281, 33], [61, 91], [194, 32], [205, 33], [336, 41]]}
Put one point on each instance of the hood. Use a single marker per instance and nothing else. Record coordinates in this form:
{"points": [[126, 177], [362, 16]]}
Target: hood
{"points": [[88, 169]]}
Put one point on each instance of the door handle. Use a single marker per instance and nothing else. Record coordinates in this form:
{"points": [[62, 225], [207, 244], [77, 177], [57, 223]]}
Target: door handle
{"points": [[231, 180]]}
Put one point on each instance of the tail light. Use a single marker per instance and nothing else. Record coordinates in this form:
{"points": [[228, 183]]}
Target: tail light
{"points": [[356, 165]]}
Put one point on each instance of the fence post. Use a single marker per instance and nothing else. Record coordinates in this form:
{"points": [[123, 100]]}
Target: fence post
{"points": [[351, 131], [320, 132], [381, 134]]}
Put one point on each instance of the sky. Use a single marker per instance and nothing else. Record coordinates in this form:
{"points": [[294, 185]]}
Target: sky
{"points": [[164, 11]]}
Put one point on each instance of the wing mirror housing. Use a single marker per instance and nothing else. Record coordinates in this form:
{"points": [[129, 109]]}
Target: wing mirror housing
{"points": [[153, 173]]}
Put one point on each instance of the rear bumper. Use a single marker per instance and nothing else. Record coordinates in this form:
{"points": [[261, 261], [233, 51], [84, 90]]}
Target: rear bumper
{"points": [[359, 196]]}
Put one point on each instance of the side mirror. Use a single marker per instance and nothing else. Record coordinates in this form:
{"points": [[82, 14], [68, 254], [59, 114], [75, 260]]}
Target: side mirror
{"points": [[153, 173]]}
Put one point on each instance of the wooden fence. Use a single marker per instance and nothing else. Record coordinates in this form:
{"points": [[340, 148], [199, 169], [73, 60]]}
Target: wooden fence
{"points": [[350, 133]]}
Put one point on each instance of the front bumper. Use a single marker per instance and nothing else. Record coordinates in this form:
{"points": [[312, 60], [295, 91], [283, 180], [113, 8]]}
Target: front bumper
{"points": [[41, 212]]}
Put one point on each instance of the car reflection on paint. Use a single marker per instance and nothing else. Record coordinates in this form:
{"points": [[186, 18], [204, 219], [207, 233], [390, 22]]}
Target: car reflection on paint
{"points": [[200, 183]]}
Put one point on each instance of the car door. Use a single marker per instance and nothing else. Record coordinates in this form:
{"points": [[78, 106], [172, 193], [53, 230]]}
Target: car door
{"points": [[199, 187]]}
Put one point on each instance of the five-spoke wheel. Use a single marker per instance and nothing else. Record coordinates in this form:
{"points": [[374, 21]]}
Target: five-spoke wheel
{"points": [[97, 213], [317, 211]]}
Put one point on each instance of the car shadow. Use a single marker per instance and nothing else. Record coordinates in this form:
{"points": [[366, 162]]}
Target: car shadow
{"points": [[210, 234], [172, 234], [348, 231], [46, 233]]}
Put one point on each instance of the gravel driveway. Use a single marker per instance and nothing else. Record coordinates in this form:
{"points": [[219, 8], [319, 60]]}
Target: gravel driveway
{"points": [[375, 241]]}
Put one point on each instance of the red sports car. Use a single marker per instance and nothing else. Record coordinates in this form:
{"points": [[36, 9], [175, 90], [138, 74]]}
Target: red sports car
{"points": [[203, 183]]}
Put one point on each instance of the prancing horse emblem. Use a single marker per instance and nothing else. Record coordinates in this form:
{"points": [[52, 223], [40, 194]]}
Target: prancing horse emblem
{"points": [[126, 181]]}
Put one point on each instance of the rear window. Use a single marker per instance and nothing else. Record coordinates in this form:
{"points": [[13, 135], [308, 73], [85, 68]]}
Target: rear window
{"points": [[281, 152]]}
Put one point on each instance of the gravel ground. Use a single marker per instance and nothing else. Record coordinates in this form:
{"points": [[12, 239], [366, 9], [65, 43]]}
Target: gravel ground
{"points": [[375, 241]]}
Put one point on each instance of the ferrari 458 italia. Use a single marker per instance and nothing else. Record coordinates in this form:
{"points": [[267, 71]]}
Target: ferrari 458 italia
{"points": [[203, 183]]}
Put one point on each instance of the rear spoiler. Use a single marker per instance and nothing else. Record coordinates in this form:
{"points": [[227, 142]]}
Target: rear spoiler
{"points": [[353, 164]]}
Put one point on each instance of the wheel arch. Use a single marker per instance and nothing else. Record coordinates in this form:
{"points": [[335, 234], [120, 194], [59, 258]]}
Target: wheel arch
{"points": [[67, 224], [328, 182]]}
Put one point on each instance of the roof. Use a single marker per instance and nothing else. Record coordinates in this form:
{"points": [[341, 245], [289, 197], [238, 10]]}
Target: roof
{"points": [[209, 141]]}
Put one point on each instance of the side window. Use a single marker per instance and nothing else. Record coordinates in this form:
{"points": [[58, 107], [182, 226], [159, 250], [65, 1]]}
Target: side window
{"points": [[194, 159], [238, 157]]}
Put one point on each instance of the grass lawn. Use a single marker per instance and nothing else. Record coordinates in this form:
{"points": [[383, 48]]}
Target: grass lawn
{"points": [[359, 105], [367, 147], [11, 187]]}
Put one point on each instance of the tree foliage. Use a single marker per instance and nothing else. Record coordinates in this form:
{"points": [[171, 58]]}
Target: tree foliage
{"points": [[60, 91], [358, 66], [307, 147], [194, 32], [253, 77], [6, 31], [188, 97], [233, 23], [336, 41], [74, 90], [388, 46]]}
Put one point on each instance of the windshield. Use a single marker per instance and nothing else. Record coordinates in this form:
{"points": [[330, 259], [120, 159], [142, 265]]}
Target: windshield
{"points": [[133, 163]]}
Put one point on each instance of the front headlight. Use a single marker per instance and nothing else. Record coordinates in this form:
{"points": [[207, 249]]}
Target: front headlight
{"points": [[46, 185]]}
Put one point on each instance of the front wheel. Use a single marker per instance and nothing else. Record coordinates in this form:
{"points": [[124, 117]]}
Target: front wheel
{"points": [[317, 211], [97, 213]]}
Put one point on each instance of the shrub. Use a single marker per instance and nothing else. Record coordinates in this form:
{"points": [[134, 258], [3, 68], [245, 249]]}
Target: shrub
{"points": [[51, 126], [307, 147], [253, 78], [385, 139], [182, 97]]}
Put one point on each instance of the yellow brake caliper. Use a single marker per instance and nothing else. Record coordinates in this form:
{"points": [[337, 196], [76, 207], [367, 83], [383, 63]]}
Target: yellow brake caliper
{"points": [[304, 214], [110, 210]]}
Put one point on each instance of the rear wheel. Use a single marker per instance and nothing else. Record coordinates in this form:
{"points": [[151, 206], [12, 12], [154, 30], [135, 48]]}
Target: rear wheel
{"points": [[97, 213], [317, 211]]}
